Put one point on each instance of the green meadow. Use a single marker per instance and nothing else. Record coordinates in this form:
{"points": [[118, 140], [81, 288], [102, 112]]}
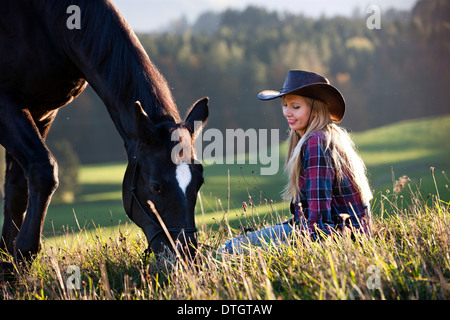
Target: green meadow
{"points": [[408, 148], [406, 258]]}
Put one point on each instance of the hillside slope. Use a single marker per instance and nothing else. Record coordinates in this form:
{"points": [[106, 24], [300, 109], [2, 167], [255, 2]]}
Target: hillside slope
{"points": [[405, 148], [411, 147]]}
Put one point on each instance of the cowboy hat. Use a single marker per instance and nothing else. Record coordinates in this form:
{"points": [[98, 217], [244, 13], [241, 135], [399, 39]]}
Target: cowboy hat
{"points": [[312, 85]]}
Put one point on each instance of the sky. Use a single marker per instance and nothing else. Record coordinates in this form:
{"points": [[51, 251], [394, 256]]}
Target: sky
{"points": [[153, 15]]}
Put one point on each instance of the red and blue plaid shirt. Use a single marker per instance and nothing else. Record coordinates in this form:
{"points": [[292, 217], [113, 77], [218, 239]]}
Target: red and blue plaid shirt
{"points": [[322, 198]]}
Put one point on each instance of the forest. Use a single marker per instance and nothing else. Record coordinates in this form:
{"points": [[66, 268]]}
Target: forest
{"points": [[400, 71]]}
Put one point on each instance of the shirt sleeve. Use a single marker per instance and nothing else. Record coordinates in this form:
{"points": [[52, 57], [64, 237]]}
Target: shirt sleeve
{"points": [[319, 176]]}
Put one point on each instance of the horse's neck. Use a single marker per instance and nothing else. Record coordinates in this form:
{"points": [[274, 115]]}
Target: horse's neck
{"points": [[114, 63]]}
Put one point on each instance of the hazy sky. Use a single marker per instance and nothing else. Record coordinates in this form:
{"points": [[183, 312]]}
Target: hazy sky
{"points": [[150, 15]]}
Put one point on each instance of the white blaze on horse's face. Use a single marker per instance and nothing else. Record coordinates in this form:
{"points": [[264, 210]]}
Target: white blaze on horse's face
{"points": [[183, 175]]}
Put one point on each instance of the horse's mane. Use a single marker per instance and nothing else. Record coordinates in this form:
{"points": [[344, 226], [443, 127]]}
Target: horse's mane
{"points": [[111, 57]]}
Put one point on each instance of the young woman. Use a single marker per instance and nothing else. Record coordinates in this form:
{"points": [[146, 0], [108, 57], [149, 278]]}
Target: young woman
{"points": [[327, 186]]}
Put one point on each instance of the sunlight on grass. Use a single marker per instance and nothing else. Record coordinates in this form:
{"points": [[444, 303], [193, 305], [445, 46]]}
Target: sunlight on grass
{"points": [[373, 158], [409, 247], [408, 251], [101, 174], [235, 216], [103, 196]]}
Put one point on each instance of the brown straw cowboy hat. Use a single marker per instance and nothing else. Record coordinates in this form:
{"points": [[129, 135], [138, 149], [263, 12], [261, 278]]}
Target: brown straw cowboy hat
{"points": [[312, 85]]}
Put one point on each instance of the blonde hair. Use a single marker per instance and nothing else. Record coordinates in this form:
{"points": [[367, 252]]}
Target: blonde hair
{"points": [[345, 158]]}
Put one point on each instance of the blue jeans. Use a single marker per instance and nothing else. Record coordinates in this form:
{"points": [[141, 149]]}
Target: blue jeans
{"points": [[275, 234]]}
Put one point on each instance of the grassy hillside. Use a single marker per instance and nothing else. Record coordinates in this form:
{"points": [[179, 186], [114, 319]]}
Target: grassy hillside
{"points": [[406, 148], [411, 148], [407, 257]]}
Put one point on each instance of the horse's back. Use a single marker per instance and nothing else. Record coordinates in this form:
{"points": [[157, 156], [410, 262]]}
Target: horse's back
{"points": [[34, 68]]}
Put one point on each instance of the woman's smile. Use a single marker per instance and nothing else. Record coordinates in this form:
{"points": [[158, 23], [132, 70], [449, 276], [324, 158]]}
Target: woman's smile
{"points": [[296, 111]]}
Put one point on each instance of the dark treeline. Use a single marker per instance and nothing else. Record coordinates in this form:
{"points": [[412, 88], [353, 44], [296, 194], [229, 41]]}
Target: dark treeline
{"points": [[400, 71]]}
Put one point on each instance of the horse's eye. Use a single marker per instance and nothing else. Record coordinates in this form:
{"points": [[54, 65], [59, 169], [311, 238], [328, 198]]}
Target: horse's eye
{"points": [[156, 188]]}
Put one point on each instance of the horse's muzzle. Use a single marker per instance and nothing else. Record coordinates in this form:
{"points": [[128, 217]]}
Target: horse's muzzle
{"points": [[185, 244]]}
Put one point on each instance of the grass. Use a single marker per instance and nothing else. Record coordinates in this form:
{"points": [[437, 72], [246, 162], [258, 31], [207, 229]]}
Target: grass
{"points": [[406, 258], [409, 148], [409, 250], [406, 148]]}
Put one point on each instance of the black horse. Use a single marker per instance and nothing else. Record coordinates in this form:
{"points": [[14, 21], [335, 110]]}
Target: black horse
{"points": [[44, 65]]}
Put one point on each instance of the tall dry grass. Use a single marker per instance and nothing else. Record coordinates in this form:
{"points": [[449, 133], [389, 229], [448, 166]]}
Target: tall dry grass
{"points": [[406, 258]]}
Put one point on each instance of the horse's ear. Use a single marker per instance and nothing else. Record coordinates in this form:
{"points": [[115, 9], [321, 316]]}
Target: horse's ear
{"points": [[197, 116], [146, 129]]}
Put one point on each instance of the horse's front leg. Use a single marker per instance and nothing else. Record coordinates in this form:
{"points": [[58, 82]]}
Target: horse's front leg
{"points": [[15, 203], [23, 140], [42, 183]]}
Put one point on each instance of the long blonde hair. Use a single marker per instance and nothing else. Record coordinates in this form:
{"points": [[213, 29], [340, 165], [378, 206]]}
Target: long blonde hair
{"points": [[340, 145]]}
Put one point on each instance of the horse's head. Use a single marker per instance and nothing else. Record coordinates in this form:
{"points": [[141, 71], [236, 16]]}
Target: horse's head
{"points": [[163, 178]]}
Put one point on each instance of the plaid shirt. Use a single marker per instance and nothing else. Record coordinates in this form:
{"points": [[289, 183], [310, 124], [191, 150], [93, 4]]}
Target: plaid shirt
{"points": [[322, 201]]}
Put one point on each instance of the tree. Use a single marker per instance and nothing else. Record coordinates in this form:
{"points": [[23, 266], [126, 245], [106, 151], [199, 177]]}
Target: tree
{"points": [[398, 72]]}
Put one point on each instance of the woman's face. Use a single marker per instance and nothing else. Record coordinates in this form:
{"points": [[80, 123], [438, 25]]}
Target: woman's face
{"points": [[296, 110]]}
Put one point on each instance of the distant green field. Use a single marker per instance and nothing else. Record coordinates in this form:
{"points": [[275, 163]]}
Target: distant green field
{"points": [[405, 148], [411, 148]]}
